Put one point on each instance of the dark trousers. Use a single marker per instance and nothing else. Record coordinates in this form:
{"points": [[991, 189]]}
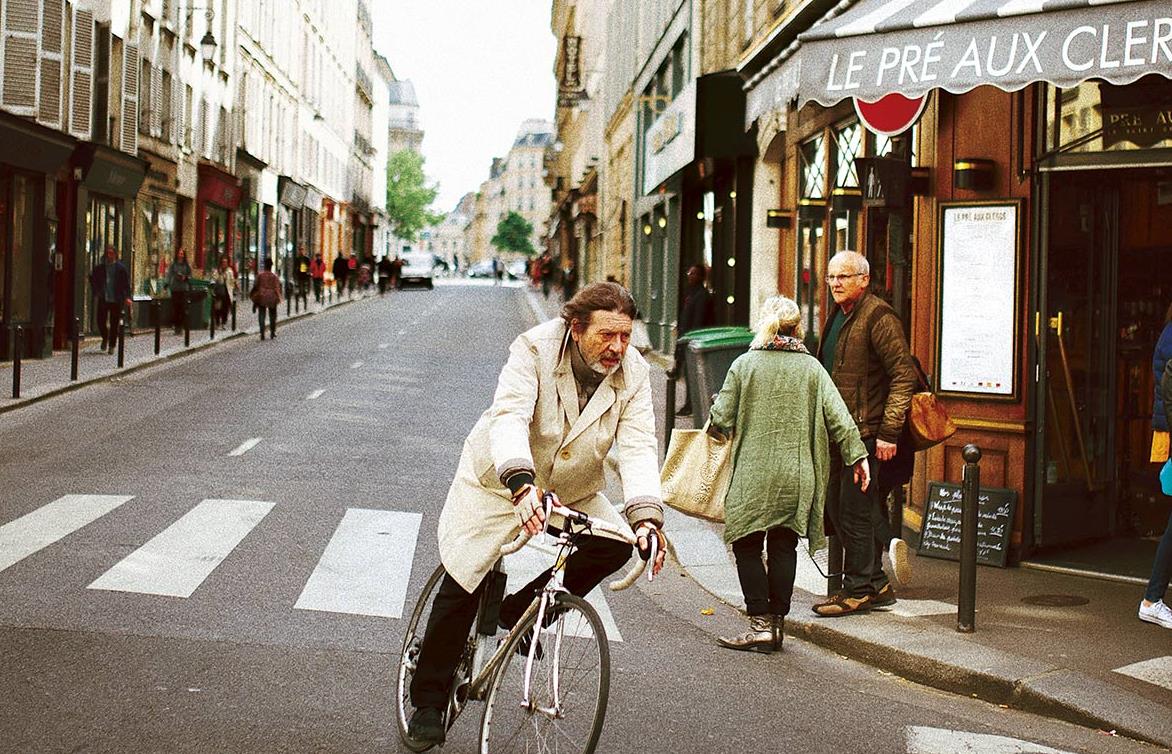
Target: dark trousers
{"points": [[223, 306], [859, 521], [317, 286], [767, 590], [272, 316], [454, 609], [1162, 567], [109, 322], [178, 309], [382, 284]]}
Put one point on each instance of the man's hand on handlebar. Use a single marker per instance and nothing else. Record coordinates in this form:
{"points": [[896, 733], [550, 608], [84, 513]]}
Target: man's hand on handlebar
{"points": [[530, 508], [645, 532]]}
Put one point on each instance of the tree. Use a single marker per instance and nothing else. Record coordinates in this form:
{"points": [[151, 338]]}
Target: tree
{"points": [[514, 233], [409, 196]]}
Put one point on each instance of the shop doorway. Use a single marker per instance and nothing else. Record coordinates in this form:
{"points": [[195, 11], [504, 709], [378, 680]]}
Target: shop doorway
{"points": [[1107, 288]]}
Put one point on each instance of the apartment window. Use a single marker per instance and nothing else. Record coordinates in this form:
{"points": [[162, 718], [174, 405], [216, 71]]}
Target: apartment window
{"points": [[188, 99], [144, 97], [679, 66], [167, 106]]}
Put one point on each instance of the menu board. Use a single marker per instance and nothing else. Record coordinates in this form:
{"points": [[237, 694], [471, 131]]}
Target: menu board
{"points": [[978, 299], [940, 535]]}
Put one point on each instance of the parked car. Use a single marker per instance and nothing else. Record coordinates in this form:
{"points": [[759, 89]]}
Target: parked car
{"points": [[481, 269], [418, 269], [516, 269]]}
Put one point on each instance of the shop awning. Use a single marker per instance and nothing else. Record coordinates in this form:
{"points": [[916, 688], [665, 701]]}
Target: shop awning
{"points": [[870, 48], [876, 47]]}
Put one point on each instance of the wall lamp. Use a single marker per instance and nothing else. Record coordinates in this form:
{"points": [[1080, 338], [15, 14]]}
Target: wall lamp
{"points": [[207, 43]]}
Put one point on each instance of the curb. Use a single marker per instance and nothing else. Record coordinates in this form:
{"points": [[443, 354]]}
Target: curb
{"points": [[162, 358]]}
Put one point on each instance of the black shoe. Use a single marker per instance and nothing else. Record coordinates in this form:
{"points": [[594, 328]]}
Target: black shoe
{"points": [[685, 411], [427, 726]]}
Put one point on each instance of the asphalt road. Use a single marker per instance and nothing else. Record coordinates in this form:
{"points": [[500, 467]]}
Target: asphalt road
{"points": [[353, 414]]}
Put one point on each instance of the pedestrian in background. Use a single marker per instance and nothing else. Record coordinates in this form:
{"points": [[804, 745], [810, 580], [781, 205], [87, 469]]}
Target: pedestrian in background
{"points": [[385, 269], [545, 266], [697, 312], [782, 410], [224, 290], [179, 283], [266, 296], [498, 271], [864, 350], [341, 270], [317, 271], [1152, 607], [110, 281]]}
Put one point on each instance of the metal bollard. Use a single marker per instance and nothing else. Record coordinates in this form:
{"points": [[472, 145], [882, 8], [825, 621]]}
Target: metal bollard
{"points": [[157, 312], [186, 323], [212, 324], [669, 411], [233, 316], [288, 303], [121, 344], [74, 348], [966, 608], [17, 350]]}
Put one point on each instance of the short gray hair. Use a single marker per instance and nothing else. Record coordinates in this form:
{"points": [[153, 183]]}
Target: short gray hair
{"points": [[854, 260]]}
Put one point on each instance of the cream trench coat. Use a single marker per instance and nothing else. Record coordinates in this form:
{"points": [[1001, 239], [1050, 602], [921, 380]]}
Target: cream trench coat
{"points": [[534, 424]]}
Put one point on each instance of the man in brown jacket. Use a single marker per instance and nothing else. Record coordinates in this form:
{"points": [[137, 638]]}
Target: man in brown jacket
{"points": [[864, 349]]}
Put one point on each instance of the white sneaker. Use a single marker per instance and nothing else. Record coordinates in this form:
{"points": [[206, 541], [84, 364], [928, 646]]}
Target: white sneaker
{"points": [[1157, 613], [901, 567]]}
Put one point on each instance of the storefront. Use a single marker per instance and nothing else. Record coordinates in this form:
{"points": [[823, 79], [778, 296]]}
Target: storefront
{"points": [[110, 180], [1034, 275], [291, 196], [156, 226], [31, 160], [215, 208]]}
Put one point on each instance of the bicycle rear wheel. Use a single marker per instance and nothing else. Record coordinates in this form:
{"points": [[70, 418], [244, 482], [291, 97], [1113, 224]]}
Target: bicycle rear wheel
{"points": [[568, 688], [412, 639]]}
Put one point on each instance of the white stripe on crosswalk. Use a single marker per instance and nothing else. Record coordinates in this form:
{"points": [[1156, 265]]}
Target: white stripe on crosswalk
{"points": [[366, 566], [315, 395], [1156, 671], [924, 740], [245, 446], [177, 560], [536, 557], [44, 526]]}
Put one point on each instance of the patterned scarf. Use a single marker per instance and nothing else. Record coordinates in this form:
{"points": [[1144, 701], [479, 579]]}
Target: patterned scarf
{"points": [[784, 343]]}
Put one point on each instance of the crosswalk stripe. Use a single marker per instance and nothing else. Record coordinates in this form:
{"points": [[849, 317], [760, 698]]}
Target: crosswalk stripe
{"points": [[245, 446], [1156, 671], [40, 528], [523, 566], [178, 559], [315, 395], [366, 566], [924, 740]]}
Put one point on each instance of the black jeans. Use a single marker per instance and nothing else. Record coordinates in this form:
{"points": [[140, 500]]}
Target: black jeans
{"points": [[109, 322], [454, 609], [317, 286], [272, 315], [178, 309], [767, 590], [859, 521]]}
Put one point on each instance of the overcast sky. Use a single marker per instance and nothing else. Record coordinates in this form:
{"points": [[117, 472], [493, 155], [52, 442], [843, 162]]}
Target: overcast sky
{"points": [[480, 67]]}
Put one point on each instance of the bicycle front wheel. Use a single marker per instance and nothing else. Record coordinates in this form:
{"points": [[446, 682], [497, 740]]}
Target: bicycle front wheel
{"points": [[562, 707], [409, 657]]}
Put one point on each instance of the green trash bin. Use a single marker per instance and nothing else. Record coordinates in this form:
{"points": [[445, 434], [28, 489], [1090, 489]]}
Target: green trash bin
{"points": [[199, 303], [709, 352]]}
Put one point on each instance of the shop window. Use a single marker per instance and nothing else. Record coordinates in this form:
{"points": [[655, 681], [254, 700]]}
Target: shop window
{"points": [[813, 155], [215, 236], [23, 203], [103, 228], [848, 144], [1100, 117], [156, 246]]}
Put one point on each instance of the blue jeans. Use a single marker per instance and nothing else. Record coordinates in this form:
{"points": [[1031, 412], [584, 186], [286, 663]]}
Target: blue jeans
{"points": [[1162, 567]]}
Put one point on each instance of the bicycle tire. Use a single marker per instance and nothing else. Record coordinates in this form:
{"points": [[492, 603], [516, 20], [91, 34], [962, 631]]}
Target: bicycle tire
{"points": [[506, 725], [407, 656]]}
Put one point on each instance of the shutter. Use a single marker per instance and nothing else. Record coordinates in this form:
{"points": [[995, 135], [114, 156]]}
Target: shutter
{"points": [[81, 73], [52, 61], [20, 60], [156, 101], [130, 83], [175, 127]]}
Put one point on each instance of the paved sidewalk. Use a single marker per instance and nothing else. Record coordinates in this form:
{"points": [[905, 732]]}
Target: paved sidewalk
{"points": [[1065, 646], [44, 378]]}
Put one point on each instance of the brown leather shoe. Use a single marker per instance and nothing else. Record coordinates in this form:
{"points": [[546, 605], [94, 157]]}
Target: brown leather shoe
{"points": [[841, 604], [885, 599]]}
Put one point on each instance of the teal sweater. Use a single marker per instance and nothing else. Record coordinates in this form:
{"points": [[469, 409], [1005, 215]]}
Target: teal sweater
{"points": [[783, 410]]}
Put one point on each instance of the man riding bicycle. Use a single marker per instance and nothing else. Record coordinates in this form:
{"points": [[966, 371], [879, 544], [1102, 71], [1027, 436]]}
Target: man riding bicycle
{"points": [[571, 390]]}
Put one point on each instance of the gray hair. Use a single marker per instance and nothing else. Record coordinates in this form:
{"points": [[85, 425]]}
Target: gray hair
{"points": [[779, 316], [853, 259]]}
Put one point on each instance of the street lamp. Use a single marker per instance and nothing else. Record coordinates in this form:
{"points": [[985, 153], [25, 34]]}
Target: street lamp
{"points": [[207, 43]]}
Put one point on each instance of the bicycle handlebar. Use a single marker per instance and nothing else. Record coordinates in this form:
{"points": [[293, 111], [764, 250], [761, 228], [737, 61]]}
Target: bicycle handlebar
{"points": [[594, 524]]}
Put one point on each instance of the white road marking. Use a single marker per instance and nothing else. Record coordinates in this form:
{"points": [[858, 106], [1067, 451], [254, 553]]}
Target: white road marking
{"points": [[925, 740], [921, 608], [37, 530], [366, 565], [1157, 671], [356, 364], [178, 559], [246, 446], [314, 395], [402, 332], [383, 346], [536, 557]]}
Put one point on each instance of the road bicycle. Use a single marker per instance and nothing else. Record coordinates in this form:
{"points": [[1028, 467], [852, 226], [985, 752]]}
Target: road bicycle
{"points": [[545, 684]]}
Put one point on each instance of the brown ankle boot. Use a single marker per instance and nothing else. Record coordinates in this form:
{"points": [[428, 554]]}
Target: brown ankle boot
{"points": [[759, 637], [778, 631]]}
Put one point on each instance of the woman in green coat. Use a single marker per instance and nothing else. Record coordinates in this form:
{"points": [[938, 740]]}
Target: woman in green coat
{"points": [[782, 410]]}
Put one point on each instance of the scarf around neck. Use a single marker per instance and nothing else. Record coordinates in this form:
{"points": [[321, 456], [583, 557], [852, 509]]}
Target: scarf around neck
{"points": [[784, 343]]}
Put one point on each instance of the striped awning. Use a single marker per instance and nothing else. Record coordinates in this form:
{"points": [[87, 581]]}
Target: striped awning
{"points": [[870, 48]]}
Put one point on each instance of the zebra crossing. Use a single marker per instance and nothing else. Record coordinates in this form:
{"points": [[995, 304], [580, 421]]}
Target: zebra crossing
{"points": [[364, 568]]}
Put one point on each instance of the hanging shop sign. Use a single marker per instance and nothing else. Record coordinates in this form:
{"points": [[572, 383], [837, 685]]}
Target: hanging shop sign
{"points": [[570, 89], [891, 114], [979, 261], [670, 144]]}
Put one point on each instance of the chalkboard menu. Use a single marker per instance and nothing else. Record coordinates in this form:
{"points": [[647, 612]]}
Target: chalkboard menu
{"points": [[940, 536]]}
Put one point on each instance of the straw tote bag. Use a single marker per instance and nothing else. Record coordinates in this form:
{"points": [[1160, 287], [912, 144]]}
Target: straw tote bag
{"points": [[928, 423], [696, 473]]}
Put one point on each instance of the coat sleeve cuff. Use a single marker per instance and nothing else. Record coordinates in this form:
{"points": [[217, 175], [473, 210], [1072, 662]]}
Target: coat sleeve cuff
{"points": [[511, 470], [644, 508]]}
